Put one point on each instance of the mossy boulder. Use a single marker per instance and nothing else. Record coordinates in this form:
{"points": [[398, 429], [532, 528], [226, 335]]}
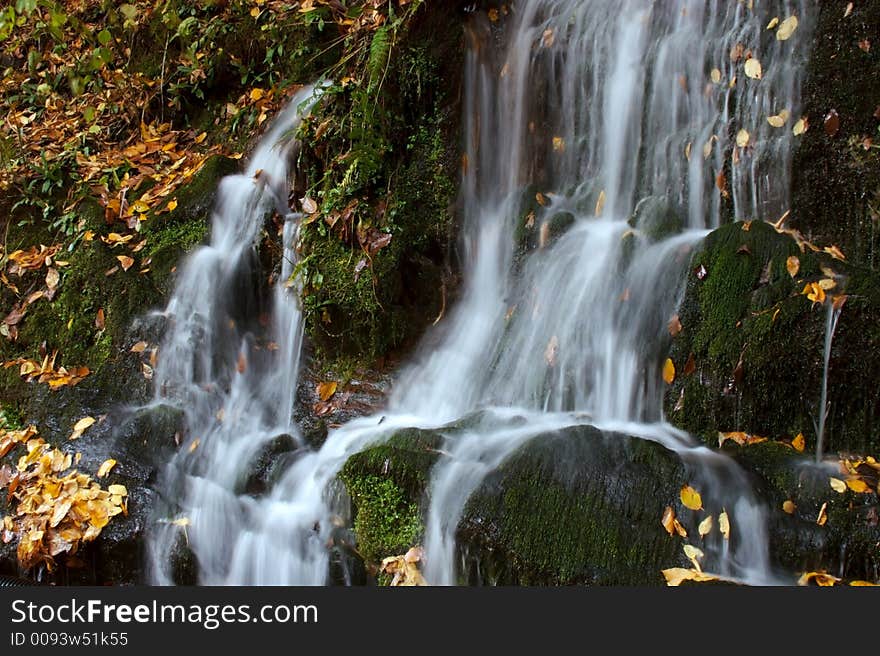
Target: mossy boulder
{"points": [[387, 484], [846, 543], [656, 218], [749, 356]]}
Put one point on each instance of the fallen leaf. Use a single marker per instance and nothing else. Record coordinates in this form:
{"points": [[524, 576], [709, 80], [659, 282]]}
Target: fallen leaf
{"points": [[547, 38], [819, 578], [559, 144], [694, 555], [99, 319], [679, 528], [675, 576], [105, 467], [848, 10], [787, 28], [724, 525], [715, 75], [773, 22], [668, 520], [52, 278], [831, 123], [691, 498], [866, 584], [690, 366], [118, 490], [801, 126], [140, 347], [823, 515], [326, 390], [552, 351], [674, 325], [705, 526], [857, 485], [600, 203], [789, 507], [668, 371], [837, 485], [125, 261], [793, 265], [80, 427], [753, 69], [742, 138]]}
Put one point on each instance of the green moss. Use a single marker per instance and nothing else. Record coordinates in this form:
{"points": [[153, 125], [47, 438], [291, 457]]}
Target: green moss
{"points": [[757, 343]]}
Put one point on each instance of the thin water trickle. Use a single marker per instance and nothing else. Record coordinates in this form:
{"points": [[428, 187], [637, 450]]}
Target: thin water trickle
{"points": [[831, 317], [595, 135]]}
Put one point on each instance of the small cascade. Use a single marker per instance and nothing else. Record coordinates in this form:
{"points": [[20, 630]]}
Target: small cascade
{"points": [[601, 150]]}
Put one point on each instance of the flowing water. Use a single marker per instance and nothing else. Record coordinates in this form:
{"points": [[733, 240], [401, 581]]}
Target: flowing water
{"points": [[599, 140]]}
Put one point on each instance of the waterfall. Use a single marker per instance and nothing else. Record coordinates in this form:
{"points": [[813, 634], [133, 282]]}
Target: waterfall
{"points": [[600, 141]]}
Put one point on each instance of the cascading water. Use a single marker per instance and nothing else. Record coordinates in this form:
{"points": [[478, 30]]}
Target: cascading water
{"points": [[236, 391], [599, 152]]}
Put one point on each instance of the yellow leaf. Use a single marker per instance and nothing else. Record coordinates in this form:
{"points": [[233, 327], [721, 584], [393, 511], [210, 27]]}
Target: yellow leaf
{"points": [[834, 252], [199, 139], [172, 205], [793, 265], [80, 427], [105, 467], [827, 283], [668, 520], [862, 584], [837, 485], [139, 207], [773, 23], [858, 485], [668, 371], [118, 490], [691, 498], [125, 261], [819, 578], [600, 203], [823, 516], [694, 555], [705, 526], [547, 38], [742, 138], [256, 94], [559, 144], [326, 390], [715, 75], [724, 525], [789, 507], [675, 576], [800, 127], [493, 15], [798, 443], [753, 69], [787, 28]]}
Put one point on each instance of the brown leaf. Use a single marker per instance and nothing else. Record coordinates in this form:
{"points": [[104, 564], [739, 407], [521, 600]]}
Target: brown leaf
{"points": [[793, 265], [674, 325], [125, 262], [325, 391], [99, 319], [832, 123], [668, 520]]}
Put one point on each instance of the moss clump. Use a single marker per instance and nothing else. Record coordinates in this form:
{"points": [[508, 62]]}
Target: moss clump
{"points": [[386, 484], [382, 159], [757, 343]]}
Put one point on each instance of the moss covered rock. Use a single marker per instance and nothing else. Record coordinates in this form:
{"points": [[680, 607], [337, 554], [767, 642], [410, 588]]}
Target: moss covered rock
{"points": [[750, 353]]}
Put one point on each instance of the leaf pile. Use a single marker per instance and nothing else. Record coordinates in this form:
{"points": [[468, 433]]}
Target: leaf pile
{"points": [[45, 371], [405, 569], [58, 509]]}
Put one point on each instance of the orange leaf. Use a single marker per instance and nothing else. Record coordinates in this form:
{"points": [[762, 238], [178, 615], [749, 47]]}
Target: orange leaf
{"points": [[668, 371]]}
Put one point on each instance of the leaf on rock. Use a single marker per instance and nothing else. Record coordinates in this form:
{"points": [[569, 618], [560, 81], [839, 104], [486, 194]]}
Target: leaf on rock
{"points": [[674, 325], [668, 520], [326, 390], [105, 467], [724, 525], [818, 578], [789, 507], [705, 526], [125, 261], [823, 515], [742, 138], [753, 68], [800, 126], [793, 265], [858, 485], [675, 576], [691, 498], [668, 371], [799, 443], [694, 555], [837, 485], [787, 28], [80, 427]]}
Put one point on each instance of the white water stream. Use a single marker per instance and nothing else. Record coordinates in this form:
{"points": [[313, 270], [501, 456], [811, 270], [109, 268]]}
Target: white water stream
{"points": [[617, 114]]}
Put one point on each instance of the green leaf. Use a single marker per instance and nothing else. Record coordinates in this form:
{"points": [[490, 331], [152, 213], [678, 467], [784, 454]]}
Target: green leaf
{"points": [[379, 51], [104, 37]]}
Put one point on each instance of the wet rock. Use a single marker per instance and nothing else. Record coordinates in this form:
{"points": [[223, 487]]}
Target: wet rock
{"points": [[755, 343], [656, 218]]}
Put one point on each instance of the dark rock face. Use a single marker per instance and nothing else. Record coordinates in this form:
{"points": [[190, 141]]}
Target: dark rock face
{"points": [[755, 343], [836, 179]]}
